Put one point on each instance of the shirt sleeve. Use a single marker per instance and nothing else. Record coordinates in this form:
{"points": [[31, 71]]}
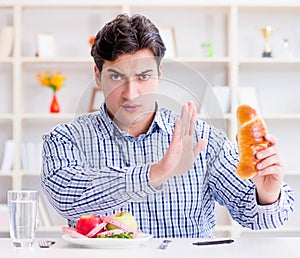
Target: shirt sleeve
{"points": [[239, 196], [74, 188]]}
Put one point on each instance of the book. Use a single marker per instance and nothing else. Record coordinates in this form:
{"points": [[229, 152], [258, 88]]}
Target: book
{"points": [[4, 221], [248, 95], [8, 156], [222, 94], [6, 41], [31, 155]]}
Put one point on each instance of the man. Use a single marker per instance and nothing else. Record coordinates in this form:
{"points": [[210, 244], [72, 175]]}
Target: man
{"points": [[133, 155]]}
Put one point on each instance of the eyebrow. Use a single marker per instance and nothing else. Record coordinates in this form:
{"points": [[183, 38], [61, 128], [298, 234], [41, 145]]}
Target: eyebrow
{"points": [[121, 74], [115, 71], [142, 73]]}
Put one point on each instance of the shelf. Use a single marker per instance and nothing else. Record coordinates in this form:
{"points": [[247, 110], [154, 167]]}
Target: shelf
{"points": [[49, 116], [30, 172], [87, 60], [233, 28], [74, 5], [6, 173], [6, 116], [294, 172], [261, 61], [281, 116], [220, 60], [7, 60], [227, 116], [57, 60], [266, 6]]}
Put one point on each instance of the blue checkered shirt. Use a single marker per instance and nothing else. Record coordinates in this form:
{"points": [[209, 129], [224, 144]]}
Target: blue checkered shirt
{"points": [[91, 166]]}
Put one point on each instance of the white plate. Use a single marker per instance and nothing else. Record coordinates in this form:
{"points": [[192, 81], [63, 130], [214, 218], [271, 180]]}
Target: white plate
{"points": [[109, 242]]}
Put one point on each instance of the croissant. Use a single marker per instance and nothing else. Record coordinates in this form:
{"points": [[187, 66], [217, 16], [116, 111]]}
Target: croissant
{"points": [[250, 139]]}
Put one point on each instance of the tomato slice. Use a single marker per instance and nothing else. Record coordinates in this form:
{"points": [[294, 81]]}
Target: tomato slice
{"points": [[87, 223]]}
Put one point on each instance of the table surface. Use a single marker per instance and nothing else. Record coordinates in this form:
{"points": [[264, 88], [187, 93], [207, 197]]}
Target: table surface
{"points": [[183, 248]]}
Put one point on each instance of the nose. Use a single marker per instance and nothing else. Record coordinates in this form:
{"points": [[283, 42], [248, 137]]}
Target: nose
{"points": [[130, 90]]}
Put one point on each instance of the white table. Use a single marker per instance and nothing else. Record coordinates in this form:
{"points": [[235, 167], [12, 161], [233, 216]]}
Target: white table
{"points": [[181, 248]]}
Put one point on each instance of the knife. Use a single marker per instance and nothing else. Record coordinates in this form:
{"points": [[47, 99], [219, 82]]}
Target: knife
{"points": [[164, 244], [214, 242]]}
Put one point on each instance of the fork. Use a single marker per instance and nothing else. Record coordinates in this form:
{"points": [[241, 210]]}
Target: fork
{"points": [[45, 243], [164, 244]]}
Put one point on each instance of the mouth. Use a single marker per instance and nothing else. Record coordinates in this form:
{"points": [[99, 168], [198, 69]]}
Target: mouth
{"points": [[131, 107]]}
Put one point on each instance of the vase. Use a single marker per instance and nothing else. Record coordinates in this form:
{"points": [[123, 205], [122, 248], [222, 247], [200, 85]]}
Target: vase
{"points": [[54, 107]]}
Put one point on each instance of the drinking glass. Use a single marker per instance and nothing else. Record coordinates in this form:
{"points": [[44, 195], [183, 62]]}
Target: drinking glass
{"points": [[23, 216]]}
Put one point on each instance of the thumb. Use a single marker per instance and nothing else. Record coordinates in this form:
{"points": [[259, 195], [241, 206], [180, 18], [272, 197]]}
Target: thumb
{"points": [[200, 146]]}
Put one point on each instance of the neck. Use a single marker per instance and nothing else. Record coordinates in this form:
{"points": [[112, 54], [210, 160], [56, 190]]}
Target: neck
{"points": [[139, 128]]}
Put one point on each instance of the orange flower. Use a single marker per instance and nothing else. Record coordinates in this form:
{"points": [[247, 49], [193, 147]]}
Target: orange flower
{"points": [[52, 80], [92, 40]]}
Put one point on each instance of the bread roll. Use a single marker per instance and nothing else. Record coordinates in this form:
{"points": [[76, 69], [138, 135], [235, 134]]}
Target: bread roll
{"points": [[251, 139]]}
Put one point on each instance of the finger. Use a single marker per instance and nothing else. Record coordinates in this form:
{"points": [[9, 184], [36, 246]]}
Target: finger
{"points": [[271, 140], [189, 118], [268, 162], [200, 146], [193, 120], [184, 118], [275, 170], [177, 129], [176, 137], [266, 153]]}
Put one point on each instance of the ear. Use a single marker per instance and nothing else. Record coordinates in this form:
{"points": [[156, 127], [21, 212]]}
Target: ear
{"points": [[97, 76], [160, 74]]}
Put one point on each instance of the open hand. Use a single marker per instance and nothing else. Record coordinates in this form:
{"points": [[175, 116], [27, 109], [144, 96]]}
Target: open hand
{"points": [[181, 153]]}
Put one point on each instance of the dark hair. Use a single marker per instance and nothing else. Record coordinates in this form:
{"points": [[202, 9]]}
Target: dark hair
{"points": [[127, 35]]}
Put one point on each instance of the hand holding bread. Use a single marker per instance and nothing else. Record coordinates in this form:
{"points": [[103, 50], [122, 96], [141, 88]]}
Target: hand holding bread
{"points": [[251, 139], [259, 157]]}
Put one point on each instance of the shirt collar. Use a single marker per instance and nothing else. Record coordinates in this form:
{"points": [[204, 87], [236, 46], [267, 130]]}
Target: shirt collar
{"points": [[106, 122], [161, 120]]}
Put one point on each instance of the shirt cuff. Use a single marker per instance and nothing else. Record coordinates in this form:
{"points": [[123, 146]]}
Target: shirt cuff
{"points": [[138, 184], [274, 207]]}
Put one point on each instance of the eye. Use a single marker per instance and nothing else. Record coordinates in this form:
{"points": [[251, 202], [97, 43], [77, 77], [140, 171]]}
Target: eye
{"points": [[116, 77], [144, 77]]}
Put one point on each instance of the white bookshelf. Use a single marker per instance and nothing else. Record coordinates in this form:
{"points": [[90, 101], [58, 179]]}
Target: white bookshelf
{"points": [[232, 27]]}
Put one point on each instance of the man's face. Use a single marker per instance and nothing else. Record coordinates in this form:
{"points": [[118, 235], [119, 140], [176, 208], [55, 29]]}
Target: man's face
{"points": [[129, 84]]}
